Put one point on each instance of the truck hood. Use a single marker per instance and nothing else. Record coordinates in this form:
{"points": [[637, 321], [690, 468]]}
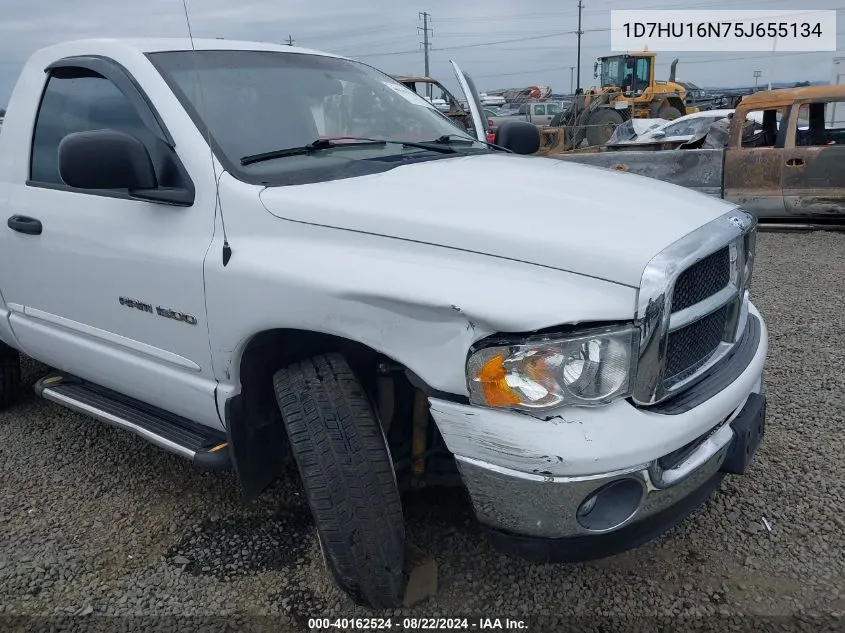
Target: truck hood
{"points": [[552, 213]]}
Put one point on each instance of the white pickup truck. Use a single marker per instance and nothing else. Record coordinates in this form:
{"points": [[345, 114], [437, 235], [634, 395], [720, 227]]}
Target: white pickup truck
{"points": [[243, 252]]}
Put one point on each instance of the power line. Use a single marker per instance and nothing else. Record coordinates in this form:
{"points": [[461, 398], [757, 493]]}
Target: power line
{"points": [[686, 62], [334, 35]]}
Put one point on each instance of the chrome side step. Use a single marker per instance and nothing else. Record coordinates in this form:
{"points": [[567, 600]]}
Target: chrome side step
{"points": [[206, 447]]}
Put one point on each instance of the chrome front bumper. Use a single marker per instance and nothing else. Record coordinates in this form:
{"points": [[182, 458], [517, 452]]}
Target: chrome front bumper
{"points": [[547, 507]]}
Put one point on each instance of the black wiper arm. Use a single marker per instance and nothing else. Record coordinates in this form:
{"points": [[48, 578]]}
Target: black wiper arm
{"points": [[319, 144], [433, 146], [448, 139], [457, 139]]}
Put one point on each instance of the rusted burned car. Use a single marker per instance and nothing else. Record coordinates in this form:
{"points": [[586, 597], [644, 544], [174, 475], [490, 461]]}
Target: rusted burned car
{"points": [[435, 92], [788, 165]]}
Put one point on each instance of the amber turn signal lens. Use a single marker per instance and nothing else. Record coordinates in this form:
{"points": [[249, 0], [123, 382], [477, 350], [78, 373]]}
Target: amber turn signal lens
{"points": [[493, 384]]}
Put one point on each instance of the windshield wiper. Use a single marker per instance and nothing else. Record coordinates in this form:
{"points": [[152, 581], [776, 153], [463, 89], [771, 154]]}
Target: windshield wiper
{"points": [[457, 139], [315, 146], [433, 146]]}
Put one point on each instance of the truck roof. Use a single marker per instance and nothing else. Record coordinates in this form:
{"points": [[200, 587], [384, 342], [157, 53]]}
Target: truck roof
{"points": [[787, 96], [157, 45]]}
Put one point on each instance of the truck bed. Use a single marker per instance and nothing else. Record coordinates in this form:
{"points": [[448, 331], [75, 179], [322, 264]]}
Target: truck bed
{"points": [[698, 169]]}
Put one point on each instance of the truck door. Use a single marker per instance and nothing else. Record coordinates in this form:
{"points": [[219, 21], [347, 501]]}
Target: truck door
{"points": [[110, 288], [752, 170], [539, 115], [813, 177]]}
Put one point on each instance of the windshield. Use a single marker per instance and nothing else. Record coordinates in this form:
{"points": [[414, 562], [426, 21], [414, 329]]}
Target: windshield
{"points": [[252, 102]]}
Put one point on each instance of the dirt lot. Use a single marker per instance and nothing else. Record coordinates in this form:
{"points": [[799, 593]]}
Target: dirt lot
{"points": [[94, 521]]}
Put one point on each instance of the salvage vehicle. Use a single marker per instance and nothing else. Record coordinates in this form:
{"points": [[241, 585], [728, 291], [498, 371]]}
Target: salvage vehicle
{"points": [[537, 112], [240, 288], [671, 133], [790, 168], [446, 102]]}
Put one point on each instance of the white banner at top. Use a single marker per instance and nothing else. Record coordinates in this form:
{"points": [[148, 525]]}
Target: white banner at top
{"points": [[723, 31]]}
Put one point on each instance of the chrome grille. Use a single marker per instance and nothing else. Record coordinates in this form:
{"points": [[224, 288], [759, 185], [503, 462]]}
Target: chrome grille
{"points": [[702, 280], [691, 344], [693, 305]]}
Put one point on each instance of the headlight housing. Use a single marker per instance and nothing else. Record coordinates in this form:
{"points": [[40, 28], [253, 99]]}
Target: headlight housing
{"points": [[586, 368]]}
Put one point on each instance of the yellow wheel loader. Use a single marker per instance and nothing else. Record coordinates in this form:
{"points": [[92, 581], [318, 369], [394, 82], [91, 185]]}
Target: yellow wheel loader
{"points": [[628, 90]]}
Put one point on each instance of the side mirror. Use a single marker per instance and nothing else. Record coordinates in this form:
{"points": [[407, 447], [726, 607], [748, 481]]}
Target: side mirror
{"points": [[105, 159], [110, 159], [659, 134], [520, 137], [596, 70]]}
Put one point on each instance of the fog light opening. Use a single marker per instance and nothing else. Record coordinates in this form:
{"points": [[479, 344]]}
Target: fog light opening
{"points": [[611, 506], [588, 505]]}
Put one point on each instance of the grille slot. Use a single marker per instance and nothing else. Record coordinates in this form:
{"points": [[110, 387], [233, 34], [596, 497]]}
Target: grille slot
{"points": [[701, 280], [693, 344]]}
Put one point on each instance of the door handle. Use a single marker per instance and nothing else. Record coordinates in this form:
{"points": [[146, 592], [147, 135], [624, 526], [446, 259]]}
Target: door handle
{"points": [[25, 224], [795, 162]]}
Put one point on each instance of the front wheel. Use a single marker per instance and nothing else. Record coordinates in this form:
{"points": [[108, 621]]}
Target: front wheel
{"points": [[348, 477], [670, 113], [601, 125]]}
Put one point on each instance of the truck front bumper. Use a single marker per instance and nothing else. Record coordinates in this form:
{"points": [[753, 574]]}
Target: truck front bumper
{"points": [[592, 482]]}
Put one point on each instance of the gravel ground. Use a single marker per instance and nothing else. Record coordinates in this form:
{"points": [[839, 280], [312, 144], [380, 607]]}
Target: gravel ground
{"points": [[96, 522]]}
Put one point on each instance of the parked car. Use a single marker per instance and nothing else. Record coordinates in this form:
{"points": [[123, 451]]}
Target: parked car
{"points": [[492, 100], [240, 288], [680, 130], [782, 157], [540, 114]]}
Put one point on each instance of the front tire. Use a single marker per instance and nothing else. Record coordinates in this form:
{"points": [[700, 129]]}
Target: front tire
{"points": [[348, 477], [601, 125], [670, 113], [10, 375]]}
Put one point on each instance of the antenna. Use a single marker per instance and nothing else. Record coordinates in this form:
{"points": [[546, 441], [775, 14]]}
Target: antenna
{"points": [[227, 250]]}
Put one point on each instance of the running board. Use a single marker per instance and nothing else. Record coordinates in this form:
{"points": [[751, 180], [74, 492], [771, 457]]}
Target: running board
{"points": [[207, 448]]}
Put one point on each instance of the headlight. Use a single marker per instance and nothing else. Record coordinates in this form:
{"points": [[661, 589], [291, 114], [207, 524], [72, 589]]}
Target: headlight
{"points": [[585, 368]]}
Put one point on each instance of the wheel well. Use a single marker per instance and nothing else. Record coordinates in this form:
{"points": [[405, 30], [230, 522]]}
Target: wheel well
{"points": [[256, 432], [253, 422], [271, 350]]}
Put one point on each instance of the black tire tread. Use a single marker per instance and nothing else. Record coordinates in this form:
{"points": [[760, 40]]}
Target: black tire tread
{"points": [[670, 113], [10, 375], [595, 123], [347, 474]]}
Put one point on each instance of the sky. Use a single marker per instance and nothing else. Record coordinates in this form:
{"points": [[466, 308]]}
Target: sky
{"points": [[500, 43]]}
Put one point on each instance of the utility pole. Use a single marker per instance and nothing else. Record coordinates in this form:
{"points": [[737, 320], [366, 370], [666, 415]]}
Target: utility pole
{"points": [[580, 33], [757, 74], [290, 39], [426, 46], [571, 85]]}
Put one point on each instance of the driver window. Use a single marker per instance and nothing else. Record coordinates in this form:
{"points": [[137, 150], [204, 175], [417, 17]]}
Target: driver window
{"points": [[78, 100], [540, 109]]}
